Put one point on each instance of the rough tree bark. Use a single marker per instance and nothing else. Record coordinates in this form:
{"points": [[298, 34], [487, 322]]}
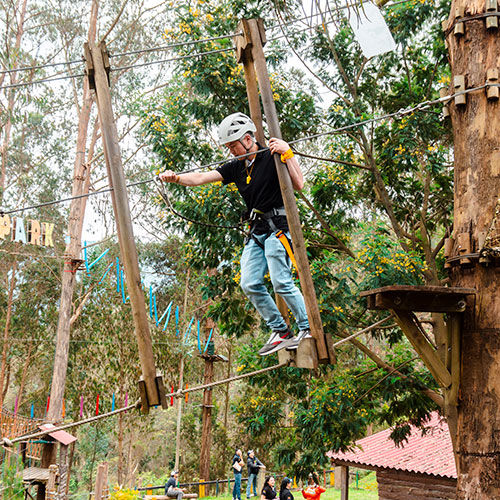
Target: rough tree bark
{"points": [[6, 330], [73, 250], [476, 129], [21, 6]]}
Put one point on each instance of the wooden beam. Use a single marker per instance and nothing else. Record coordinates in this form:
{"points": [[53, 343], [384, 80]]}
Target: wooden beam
{"points": [[244, 56], [128, 250], [51, 483], [409, 324], [455, 322], [101, 481], [287, 191]]}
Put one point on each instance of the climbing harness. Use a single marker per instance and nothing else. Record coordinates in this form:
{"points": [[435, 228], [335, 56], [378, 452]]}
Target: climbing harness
{"points": [[255, 215], [268, 218]]}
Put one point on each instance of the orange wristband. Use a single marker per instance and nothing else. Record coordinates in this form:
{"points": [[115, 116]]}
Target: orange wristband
{"points": [[177, 179], [287, 155]]}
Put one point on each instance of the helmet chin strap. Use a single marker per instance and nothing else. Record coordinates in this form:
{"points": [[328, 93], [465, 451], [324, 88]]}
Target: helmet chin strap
{"points": [[247, 150]]}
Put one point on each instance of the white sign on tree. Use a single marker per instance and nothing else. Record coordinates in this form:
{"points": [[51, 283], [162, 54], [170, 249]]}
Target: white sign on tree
{"points": [[371, 31]]}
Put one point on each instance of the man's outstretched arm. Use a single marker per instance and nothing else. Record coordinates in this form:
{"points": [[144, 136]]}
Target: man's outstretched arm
{"points": [[192, 178]]}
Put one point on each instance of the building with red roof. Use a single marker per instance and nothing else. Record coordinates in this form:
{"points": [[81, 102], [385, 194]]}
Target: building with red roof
{"points": [[421, 468]]}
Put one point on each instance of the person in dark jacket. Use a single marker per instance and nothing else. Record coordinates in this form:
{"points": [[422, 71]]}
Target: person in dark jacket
{"points": [[171, 489], [253, 465], [237, 468], [268, 492], [285, 493]]}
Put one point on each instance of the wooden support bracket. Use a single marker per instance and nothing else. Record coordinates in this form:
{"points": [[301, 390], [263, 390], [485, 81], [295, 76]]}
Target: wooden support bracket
{"points": [[454, 328], [89, 65], [306, 356], [410, 326]]}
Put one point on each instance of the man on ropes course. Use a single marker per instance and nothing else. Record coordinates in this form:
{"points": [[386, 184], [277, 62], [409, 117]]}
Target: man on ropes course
{"points": [[267, 246]]}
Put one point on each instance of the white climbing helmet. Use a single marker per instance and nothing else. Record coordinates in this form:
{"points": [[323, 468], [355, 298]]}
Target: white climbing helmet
{"points": [[234, 127]]}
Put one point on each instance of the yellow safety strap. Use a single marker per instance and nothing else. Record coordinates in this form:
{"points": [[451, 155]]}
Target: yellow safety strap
{"points": [[284, 241]]}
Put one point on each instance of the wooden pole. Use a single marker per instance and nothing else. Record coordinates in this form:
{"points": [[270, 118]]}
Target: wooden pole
{"points": [[62, 488], [254, 34], [124, 228], [101, 481], [51, 483], [344, 483], [245, 57], [206, 415], [181, 376], [179, 416]]}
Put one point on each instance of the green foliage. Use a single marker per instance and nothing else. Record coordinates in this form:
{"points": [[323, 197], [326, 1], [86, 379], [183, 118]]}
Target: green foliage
{"points": [[11, 478], [119, 493]]}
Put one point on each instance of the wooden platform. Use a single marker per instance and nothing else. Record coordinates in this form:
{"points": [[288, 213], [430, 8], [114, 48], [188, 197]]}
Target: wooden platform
{"points": [[35, 475], [418, 298]]}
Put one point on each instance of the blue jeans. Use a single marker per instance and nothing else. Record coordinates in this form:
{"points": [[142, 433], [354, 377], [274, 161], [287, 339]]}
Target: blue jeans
{"points": [[237, 486], [255, 262], [252, 481]]}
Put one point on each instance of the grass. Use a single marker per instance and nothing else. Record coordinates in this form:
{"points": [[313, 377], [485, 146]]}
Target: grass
{"points": [[367, 490]]}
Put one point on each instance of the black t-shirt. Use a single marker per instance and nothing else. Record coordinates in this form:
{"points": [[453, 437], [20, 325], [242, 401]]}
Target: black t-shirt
{"points": [[286, 494], [262, 192], [268, 492], [236, 460], [171, 482]]}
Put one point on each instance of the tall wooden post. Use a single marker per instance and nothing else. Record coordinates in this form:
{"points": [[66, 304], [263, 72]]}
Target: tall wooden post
{"points": [[179, 416], [252, 42], [62, 489], [101, 481], [151, 393], [206, 415], [51, 483], [474, 54], [245, 57]]}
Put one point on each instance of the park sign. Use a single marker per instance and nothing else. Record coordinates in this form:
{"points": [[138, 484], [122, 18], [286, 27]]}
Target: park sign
{"points": [[28, 231]]}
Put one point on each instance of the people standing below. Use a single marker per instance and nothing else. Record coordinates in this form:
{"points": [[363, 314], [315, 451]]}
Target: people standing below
{"points": [[268, 492], [237, 468], [253, 465], [171, 489], [313, 490], [285, 493]]}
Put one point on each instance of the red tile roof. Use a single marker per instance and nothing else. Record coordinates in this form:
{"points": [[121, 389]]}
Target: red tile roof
{"points": [[431, 453], [61, 436]]}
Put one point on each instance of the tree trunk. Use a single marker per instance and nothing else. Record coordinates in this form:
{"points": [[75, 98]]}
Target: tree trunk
{"points": [[73, 250], [206, 420], [24, 374], [179, 416], [11, 99], [5, 350], [476, 129]]}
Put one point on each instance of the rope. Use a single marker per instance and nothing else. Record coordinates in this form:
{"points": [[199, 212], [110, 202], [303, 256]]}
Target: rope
{"points": [[9, 442], [396, 114], [40, 66], [357, 334], [178, 394], [173, 45], [181, 392], [45, 80]]}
